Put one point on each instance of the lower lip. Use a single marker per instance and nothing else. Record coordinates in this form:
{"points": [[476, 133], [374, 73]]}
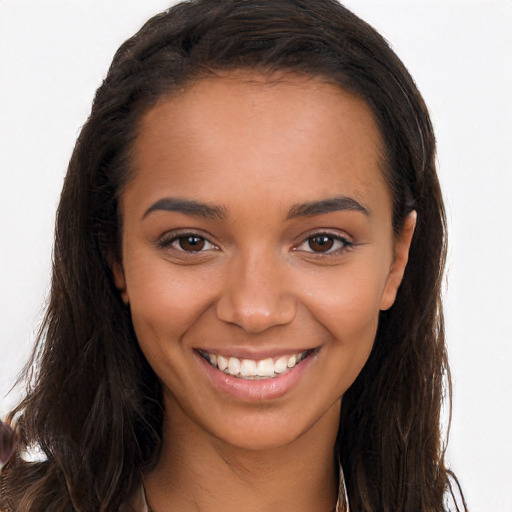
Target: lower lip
{"points": [[256, 390]]}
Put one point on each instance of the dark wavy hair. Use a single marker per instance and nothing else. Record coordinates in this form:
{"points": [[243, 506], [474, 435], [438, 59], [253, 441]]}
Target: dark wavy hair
{"points": [[94, 405]]}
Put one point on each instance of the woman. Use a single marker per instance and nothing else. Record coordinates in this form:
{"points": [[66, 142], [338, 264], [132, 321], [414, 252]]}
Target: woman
{"points": [[245, 307]]}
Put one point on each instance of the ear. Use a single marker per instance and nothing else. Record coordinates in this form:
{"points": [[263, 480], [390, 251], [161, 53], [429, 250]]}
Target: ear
{"points": [[119, 280], [400, 257]]}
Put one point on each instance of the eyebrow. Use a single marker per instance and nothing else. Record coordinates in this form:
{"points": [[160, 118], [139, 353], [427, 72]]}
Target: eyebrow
{"points": [[188, 207], [329, 205], [207, 211]]}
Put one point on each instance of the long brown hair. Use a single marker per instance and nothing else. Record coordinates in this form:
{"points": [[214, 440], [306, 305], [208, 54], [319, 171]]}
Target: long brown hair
{"points": [[95, 405]]}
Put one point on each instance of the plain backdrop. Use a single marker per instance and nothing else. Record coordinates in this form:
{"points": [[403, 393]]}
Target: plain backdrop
{"points": [[54, 54]]}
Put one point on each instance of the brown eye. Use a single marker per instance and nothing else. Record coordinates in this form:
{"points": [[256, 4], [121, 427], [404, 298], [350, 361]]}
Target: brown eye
{"points": [[321, 243], [191, 243], [325, 244], [186, 243]]}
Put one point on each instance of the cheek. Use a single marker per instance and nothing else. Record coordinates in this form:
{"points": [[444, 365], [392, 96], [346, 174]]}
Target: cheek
{"points": [[164, 304], [349, 301], [348, 308], [350, 314]]}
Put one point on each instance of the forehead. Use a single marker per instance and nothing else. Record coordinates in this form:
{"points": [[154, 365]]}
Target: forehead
{"points": [[244, 132]]}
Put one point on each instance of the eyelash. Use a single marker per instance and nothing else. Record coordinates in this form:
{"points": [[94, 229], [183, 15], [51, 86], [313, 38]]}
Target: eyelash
{"points": [[173, 241], [345, 244]]}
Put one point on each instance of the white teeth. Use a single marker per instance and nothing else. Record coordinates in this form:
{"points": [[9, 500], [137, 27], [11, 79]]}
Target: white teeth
{"points": [[266, 368], [292, 361], [248, 368], [222, 363], [234, 366], [281, 365], [251, 369]]}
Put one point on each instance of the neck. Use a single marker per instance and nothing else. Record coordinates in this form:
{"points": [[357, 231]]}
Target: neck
{"points": [[197, 472]]}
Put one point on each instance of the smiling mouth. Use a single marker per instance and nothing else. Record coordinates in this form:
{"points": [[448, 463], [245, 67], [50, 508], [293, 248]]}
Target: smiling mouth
{"points": [[252, 369]]}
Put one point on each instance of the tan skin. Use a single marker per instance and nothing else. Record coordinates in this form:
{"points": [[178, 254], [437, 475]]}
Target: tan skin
{"points": [[261, 274]]}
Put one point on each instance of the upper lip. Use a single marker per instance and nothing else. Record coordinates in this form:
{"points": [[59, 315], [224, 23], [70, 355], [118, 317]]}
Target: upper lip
{"points": [[255, 354]]}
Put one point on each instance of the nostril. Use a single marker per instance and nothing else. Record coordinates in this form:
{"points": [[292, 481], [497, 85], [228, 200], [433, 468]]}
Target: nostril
{"points": [[256, 295], [256, 316]]}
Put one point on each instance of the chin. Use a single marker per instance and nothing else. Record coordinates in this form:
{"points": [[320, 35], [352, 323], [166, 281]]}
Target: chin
{"points": [[258, 440], [267, 431]]}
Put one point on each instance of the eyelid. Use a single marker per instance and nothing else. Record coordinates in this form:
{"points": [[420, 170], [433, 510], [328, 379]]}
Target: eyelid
{"points": [[168, 239], [337, 237]]}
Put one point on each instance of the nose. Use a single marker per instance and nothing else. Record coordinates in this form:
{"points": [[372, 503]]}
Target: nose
{"points": [[255, 296]]}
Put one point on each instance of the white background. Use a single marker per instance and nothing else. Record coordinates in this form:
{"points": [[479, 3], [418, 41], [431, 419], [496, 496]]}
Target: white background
{"points": [[54, 54]]}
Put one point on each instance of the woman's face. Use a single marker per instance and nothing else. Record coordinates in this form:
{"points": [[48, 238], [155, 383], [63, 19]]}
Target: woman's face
{"points": [[257, 235]]}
